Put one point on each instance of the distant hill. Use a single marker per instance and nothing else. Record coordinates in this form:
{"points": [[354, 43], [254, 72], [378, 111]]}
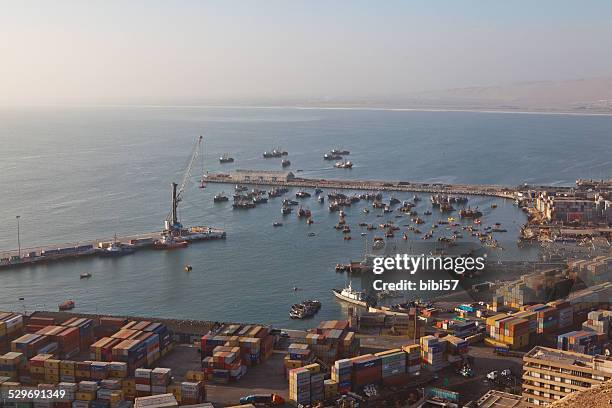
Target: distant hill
{"points": [[582, 95]]}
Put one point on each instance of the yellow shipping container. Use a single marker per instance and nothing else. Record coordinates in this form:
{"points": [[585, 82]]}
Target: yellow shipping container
{"points": [[85, 396]]}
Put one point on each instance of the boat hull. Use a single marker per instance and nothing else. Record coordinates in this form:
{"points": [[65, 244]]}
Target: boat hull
{"points": [[339, 295]]}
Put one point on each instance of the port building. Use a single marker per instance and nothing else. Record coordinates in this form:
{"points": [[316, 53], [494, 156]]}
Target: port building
{"points": [[549, 374], [263, 176]]}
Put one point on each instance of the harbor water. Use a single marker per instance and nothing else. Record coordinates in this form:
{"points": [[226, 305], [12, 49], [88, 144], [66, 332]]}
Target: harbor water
{"points": [[82, 173]]}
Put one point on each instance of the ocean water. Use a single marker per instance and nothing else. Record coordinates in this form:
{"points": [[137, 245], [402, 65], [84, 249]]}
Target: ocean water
{"points": [[82, 173]]}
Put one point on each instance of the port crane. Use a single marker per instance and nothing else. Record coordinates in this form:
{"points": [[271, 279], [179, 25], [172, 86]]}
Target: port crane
{"points": [[172, 224]]}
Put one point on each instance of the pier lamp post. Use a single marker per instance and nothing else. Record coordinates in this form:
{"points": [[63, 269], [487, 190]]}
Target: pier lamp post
{"points": [[18, 236]]}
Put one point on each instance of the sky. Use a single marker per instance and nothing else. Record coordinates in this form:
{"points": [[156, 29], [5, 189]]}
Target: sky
{"points": [[183, 52]]}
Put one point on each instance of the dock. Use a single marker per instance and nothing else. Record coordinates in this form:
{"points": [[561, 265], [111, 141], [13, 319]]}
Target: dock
{"points": [[97, 247], [288, 179]]}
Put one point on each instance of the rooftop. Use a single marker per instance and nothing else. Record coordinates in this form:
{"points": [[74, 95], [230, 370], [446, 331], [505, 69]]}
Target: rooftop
{"points": [[564, 357], [498, 399]]}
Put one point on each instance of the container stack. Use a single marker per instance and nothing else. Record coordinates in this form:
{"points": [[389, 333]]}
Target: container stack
{"points": [[37, 367], [108, 326], [298, 356], [142, 378], [393, 366], [86, 393], [548, 318], [131, 352], [299, 386], [585, 342], [150, 342], [464, 329], [250, 350], [11, 327], [192, 392], [433, 353], [367, 369], [67, 371], [82, 370], [599, 321], [457, 346], [342, 374], [30, 344], [99, 370], [413, 359], [505, 330], [224, 365], [330, 389], [102, 350], [71, 389], [52, 371], [35, 323], [11, 364], [565, 311], [160, 379], [86, 334], [110, 390]]}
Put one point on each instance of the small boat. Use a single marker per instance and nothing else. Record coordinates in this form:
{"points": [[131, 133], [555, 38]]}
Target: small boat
{"points": [[309, 221], [344, 164], [353, 296], [117, 249], [312, 234], [331, 156], [285, 163], [303, 212], [363, 234], [85, 275], [378, 243], [347, 237], [318, 190], [225, 158], [169, 242], [493, 205], [274, 153], [260, 200], [416, 198], [277, 224], [427, 212], [321, 198], [243, 204], [366, 211], [241, 188], [302, 194], [188, 268], [340, 152], [393, 201], [221, 197], [285, 210], [67, 305], [287, 202]]}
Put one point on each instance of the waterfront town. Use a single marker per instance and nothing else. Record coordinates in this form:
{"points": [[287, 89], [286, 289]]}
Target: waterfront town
{"points": [[526, 342]]}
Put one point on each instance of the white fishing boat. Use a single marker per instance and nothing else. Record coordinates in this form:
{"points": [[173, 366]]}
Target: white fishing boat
{"points": [[351, 295]]}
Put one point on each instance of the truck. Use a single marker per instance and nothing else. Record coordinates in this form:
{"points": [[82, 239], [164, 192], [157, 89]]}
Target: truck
{"points": [[266, 400]]}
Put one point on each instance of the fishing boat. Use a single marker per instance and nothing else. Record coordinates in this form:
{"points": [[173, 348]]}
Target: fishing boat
{"points": [[427, 212], [366, 211], [287, 202], [318, 190], [321, 198], [274, 153], [353, 296], [340, 152], [220, 197], [303, 212], [260, 200], [378, 243], [470, 213], [188, 268], [241, 188], [277, 224], [302, 194], [285, 210], [85, 275], [67, 305], [225, 158], [285, 163]]}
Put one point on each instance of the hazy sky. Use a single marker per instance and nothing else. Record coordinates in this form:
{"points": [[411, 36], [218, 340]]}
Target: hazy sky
{"points": [[174, 51]]}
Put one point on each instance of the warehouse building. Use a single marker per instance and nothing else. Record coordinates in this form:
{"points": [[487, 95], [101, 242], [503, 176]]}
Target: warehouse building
{"points": [[549, 374]]}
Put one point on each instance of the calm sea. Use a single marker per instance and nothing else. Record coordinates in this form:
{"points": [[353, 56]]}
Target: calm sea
{"points": [[80, 173]]}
